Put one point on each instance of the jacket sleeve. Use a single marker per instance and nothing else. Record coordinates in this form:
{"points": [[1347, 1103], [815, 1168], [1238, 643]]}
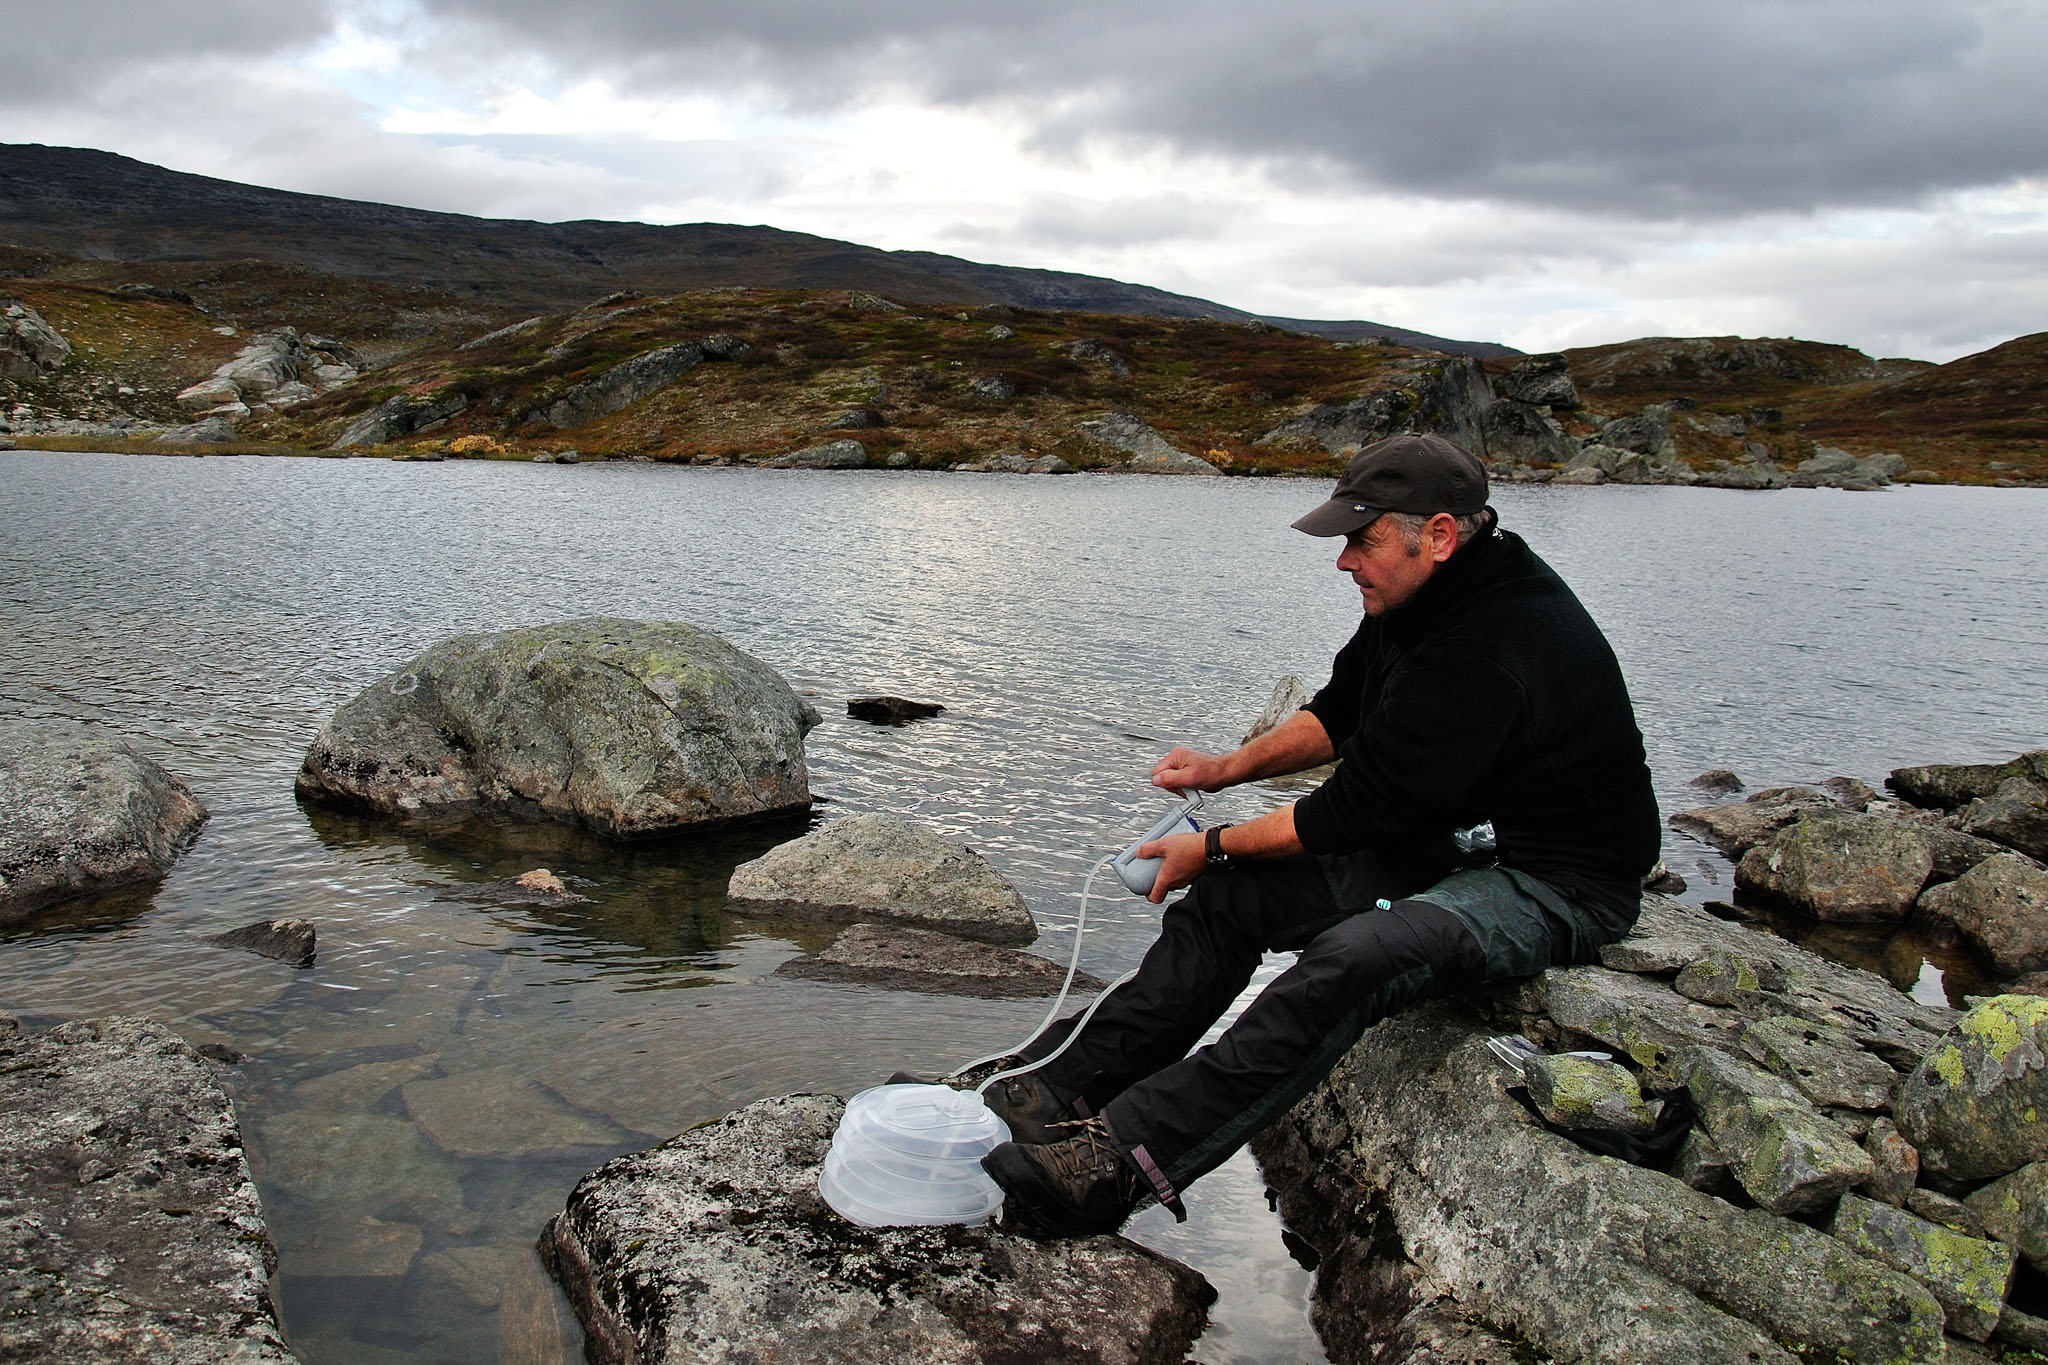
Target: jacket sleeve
{"points": [[1336, 706], [1411, 767]]}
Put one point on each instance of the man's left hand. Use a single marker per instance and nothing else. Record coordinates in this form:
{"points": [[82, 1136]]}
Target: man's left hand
{"points": [[1181, 860]]}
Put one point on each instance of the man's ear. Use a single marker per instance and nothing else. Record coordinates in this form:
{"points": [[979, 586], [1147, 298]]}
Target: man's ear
{"points": [[1443, 536]]}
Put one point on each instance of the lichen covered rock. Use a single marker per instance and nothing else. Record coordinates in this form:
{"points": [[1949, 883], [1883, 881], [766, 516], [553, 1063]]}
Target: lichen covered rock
{"points": [[2014, 1209], [1968, 1275], [716, 1247], [887, 868], [1977, 1105], [129, 1228], [82, 810], [1583, 1093], [629, 727]]}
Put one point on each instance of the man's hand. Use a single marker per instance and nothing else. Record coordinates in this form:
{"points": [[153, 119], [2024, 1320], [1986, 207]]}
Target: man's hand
{"points": [[1181, 860], [1186, 770]]}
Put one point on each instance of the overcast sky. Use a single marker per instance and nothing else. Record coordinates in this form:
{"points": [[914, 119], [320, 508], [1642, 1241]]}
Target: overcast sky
{"points": [[1553, 174]]}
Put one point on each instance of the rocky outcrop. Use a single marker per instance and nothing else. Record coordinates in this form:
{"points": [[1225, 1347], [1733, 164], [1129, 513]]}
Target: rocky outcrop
{"points": [[273, 370], [628, 727], [1543, 381], [885, 868], [842, 454], [1946, 786], [624, 384], [404, 414], [130, 1229], [80, 811], [1830, 467], [205, 431], [29, 347], [716, 1246], [1443, 395], [1148, 451], [891, 957], [1098, 355], [1010, 462], [1517, 433], [1483, 1213]]}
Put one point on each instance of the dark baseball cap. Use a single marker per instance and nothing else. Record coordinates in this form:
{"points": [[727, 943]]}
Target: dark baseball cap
{"points": [[1420, 474]]}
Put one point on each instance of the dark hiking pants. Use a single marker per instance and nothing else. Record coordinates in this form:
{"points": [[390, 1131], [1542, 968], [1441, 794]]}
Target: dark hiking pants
{"points": [[1369, 946]]}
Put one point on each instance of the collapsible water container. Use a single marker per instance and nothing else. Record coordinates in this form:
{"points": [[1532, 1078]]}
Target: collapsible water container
{"points": [[906, 1155]]}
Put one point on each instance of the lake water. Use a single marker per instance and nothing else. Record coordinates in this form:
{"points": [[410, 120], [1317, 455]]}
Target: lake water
{"points": [[418, 1103]]}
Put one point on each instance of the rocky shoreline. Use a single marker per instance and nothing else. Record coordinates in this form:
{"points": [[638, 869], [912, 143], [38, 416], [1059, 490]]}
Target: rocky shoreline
{"points": [[1774, 1157]]}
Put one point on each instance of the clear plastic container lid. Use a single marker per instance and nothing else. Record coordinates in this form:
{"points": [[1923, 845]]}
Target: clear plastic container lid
{"points": [[907, 1155]]}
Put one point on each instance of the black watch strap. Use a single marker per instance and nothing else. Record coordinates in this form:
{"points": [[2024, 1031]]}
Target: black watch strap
{"points": [[1212, 846]]}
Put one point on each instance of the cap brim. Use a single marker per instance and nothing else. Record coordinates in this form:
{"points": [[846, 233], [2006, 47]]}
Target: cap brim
{"points": [[1338, 517]]}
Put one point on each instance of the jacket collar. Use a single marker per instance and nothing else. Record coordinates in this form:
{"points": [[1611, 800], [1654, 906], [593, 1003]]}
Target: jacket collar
{"points": [[1456, 579]]}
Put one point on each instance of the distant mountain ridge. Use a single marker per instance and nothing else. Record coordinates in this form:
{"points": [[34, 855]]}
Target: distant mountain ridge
{"points": [[86, 202]]}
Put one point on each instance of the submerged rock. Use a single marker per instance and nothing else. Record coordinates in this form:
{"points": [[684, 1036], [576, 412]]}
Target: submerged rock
{"points": [[288, 940], [891, 710], [893, 957], [129, 1228], [716, 1246], [82, 810], [629, 727], [884, 867]]}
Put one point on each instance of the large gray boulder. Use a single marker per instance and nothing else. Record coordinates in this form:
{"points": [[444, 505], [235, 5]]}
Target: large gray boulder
{"points": [[1977, 1105], [624, 384], [129, 1228], [1442, 395], [628, 727], [885, 868], [1839, 865], [29, 347], [82, 810], [845, 453], [1148, 451], [2001, 906], [715, 1248], [279, 369]]}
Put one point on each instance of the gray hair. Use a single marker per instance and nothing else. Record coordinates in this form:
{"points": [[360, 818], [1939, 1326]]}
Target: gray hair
{"points": [[1410, 524]]}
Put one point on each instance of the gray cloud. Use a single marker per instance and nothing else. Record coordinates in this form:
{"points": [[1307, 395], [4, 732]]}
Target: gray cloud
{"points": [[1683, 107], [66, 49]]}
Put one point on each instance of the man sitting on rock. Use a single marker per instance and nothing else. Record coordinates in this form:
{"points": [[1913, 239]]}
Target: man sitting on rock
{"points": [[1491, 816]]}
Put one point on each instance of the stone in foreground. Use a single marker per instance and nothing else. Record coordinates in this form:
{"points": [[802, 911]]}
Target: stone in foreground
{"points": [[1977, 1105], [130, 1230], [1839, 865], [81, 811], [885, 868], [632, 728], [1785, 1154], [1581, 1093], [2001, 906], [892, 957], [291, 941], [1969, 1276], [716, 1247]]}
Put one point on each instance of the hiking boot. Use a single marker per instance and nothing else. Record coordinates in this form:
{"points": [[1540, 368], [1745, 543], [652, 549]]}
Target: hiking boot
{"points": [[960, 1080], [1031, 1108], [1074, 1188]]}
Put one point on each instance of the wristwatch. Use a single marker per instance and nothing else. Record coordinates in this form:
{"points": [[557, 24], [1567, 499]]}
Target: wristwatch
{"points": [[1212, 846]]}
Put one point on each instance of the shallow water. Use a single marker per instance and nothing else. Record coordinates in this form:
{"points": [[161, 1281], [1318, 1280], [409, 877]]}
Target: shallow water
{"points": [[422, 1099]]}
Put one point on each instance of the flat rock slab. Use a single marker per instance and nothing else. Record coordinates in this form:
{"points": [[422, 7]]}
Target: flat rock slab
{"points": [[884, 868], [129, 1228], [82, 810], [631, 728], [499, 1113], [896, 958], [716, 1247]]}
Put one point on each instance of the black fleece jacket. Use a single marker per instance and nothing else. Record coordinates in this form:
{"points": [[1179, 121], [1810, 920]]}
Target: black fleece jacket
{"points": [[1488, 695]]}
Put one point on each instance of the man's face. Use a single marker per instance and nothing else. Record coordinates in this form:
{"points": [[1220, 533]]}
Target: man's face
{"points": [[1386, 569]]}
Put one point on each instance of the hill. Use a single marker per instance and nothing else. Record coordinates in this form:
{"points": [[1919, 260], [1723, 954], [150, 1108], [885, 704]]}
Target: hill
{"points": [[81, 202]]}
